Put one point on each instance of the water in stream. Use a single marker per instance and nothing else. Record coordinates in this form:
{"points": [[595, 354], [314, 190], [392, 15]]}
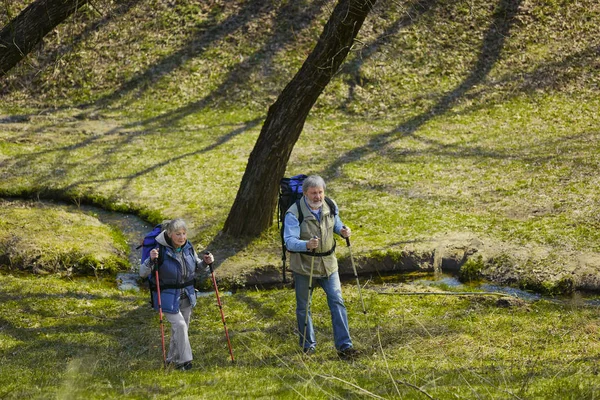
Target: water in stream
{"points": [[444, 280], [134, 229]]}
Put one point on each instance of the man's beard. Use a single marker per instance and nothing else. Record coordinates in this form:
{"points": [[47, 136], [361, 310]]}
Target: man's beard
{"points": [[314, 205]]}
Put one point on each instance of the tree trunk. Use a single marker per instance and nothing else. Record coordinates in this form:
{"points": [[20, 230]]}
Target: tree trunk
{"points": [[24, 32], [256, 200]]}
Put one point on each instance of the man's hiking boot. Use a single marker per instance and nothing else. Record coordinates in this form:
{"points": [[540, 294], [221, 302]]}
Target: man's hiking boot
{"points": [[348, 353], [309, 351]]}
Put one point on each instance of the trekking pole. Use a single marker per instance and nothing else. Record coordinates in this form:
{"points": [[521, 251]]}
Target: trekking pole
{"points": [[283, 257], [355, 273], [214, 281], [160, 313], [312, 265]]}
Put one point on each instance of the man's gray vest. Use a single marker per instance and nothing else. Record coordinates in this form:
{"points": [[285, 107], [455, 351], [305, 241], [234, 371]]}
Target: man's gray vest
{"points": [[310, 227]]}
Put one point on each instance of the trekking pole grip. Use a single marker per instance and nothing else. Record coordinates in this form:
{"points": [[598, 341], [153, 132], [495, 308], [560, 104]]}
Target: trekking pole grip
{"points": [[209, 265], [155, 263], [347, 238]]}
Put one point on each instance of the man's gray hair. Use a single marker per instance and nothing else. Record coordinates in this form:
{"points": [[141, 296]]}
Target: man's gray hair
{"points": [[175, 225], [313, 181]]}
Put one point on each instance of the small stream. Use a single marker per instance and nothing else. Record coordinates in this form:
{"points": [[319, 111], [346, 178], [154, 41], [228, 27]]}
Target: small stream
{"points": [[452, 282], [134, 229]]}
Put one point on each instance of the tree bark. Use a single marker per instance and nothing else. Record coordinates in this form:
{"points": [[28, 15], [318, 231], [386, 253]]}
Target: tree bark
{"points": [[28, 29], [256, 200]]}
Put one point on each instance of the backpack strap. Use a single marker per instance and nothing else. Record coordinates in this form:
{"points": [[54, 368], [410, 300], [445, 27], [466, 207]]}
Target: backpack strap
{"points": [[331, 205], [329, 202], [173, 286], [300, 215], [193, 250], [314, 254]]}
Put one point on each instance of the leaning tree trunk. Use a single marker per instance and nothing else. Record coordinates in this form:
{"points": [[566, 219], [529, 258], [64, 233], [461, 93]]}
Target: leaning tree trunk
{"points": [[24, 32], [254, 206]]}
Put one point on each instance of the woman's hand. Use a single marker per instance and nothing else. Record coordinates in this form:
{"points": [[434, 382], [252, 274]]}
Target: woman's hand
{"points": [[208, 258]]}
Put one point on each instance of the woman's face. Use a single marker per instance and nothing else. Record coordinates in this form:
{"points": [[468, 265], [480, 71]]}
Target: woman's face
{"points": [[178, 237]]}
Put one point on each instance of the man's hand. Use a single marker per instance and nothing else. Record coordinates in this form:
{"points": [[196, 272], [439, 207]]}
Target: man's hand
{"points": [[345, 232], [312, 243]]}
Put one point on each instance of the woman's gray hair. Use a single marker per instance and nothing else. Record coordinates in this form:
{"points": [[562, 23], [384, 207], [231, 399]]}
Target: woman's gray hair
{"points": [[175, 225], [313, 181]]}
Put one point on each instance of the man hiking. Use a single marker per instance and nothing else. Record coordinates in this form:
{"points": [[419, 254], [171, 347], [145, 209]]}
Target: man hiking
{"points": [[312, 261]]}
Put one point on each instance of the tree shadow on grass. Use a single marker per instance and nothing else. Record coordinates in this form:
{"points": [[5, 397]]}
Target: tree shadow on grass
{"points": [[128, 133], [95, 337], [493, 42], [303, 14], [196, 45], [125, 136], [69, 45], [128, 179], [352, 69], [48, 330], [552, 76]]}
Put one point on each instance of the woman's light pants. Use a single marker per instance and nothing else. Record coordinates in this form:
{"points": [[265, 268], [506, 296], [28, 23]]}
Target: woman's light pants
{"points": [[180, 350]]}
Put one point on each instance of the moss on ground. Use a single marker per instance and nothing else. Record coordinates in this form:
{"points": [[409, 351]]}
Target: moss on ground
{"points": [[53, 239]]}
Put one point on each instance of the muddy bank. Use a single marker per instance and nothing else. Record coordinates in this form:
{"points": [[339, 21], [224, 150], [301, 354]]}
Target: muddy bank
{"points": [[543, 270]]}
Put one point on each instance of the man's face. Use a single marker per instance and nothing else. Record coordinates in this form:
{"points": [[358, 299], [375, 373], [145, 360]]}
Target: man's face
{"points": [[314, 196], [179, 237]]}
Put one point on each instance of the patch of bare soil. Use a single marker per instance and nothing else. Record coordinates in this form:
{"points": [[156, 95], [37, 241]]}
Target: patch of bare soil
{"points": [[539, 268]]}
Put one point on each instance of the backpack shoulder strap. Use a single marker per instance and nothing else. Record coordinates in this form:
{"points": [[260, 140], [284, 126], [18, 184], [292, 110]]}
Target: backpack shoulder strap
{"points": [[331, 205], [193, 250], [300, 215]]}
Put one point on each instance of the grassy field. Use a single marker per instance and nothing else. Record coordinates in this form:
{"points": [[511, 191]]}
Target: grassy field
{"points": [[86, 339], [470, 127], [528, 188]]}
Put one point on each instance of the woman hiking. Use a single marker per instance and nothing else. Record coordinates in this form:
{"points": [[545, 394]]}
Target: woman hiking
{"points": [[178, 267]]}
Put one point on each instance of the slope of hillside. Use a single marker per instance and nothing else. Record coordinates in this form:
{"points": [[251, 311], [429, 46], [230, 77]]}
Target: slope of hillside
{"points": [[411, 57], [454, 125]]}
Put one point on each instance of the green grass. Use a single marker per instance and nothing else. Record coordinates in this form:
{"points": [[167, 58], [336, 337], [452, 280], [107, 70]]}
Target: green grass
{"points": [[86, 339], [515, 182], [445, 123]]}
